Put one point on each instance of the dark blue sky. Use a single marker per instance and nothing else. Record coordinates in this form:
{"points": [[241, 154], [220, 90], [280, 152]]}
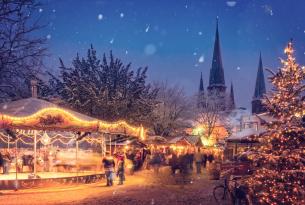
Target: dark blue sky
{"points": [[175, 38]]}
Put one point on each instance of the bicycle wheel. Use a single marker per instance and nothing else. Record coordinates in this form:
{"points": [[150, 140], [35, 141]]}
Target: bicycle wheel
{"points": [[220, 193]]}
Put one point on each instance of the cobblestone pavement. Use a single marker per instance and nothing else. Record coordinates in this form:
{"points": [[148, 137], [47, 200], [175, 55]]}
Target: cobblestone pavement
{"points": [[145, 187]]}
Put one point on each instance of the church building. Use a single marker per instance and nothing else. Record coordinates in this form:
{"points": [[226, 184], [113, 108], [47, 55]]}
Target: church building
{"points": [[216, 90]]}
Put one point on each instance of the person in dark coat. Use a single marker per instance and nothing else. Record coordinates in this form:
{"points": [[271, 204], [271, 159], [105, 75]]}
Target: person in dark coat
{"points": [[109, 165], [204, 160], [174, 163], [210, 158], [191, 160], [121, 169]]}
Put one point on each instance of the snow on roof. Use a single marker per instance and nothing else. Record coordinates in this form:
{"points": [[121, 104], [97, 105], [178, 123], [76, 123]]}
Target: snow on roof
{"points": [[29, 106], [244, 134], [192, 139], [236, 115]]}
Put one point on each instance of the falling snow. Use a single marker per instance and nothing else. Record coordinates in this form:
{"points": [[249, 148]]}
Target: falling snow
{"points": [[40, 10], [201, 59], [122, 15], [150, 49], [126, 52], [238, 68], [53, 10], [147, 28], [49, 36], [100, 17], [199, 33], [231, 3], [111, 41], [195, 53], [268, 9]]}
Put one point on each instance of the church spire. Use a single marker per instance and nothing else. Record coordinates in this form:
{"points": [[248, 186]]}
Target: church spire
{"points": [[216, 72], [231, 99], [260, 88], [201, 97], [201, 88]]}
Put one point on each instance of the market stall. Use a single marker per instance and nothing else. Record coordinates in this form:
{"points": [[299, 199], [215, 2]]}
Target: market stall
{"points": [[48, 132]]}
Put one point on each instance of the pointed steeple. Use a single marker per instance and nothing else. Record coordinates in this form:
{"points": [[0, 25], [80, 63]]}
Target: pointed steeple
{"points": [[201, 88], [260, 88], [216, 72], [201, 96], [231, 99]]}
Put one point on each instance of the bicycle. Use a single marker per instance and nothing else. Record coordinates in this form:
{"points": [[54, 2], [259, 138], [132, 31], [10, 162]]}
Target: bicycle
{"points": [[237, 195]]}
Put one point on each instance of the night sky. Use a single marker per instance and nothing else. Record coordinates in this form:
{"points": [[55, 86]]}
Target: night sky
{"points": [[175, 38]]}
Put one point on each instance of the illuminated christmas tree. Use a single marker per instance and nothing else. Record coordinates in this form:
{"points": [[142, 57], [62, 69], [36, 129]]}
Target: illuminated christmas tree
{"points": [[280, 177]]}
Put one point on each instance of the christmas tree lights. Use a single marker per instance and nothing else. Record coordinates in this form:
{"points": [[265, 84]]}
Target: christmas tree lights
{"points": [[280, 175]]}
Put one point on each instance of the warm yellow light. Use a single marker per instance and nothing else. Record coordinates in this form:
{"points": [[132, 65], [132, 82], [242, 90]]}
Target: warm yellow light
{"points": [[94, 125]]}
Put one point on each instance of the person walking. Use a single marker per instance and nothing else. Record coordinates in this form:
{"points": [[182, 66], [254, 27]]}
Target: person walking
{"points": [[174, 163], [204, 160], [210, 158], [121, 170], [6, 162], [109, 166], [198, 160]]}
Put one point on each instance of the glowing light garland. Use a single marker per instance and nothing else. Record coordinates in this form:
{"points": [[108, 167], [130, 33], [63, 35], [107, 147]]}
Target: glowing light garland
{"points": [[69, 122]]}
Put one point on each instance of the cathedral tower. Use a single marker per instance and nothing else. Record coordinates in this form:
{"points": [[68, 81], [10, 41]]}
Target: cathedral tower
{"points": [[217, 87]]}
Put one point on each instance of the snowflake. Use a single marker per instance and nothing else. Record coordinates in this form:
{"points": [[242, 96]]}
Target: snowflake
{"points": [[195, 53], [186, 6], [111, 41], [53, 10], [122, 15], [49, 36], [100, 17], [150, 49], [201, 59], [268, 9], [231, 3], [238, 68], [126, 52], [147, 28], [196, 65], [199, 33], [40, 10]]}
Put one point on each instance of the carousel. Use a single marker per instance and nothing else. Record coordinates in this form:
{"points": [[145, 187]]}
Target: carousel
{"points": [[42, 144]]}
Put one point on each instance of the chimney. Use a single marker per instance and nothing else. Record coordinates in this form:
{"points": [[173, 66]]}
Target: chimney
{"points": [[34, 88]]}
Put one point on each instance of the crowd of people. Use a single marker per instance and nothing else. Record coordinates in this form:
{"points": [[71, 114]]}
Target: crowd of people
{"points": [[182, 161]]}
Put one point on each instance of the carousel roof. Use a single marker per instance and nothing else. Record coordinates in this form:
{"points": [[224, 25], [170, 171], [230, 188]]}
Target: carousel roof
{"points": [[30, 106], [37, 114]]}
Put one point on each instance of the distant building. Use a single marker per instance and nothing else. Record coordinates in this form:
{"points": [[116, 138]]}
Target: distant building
{"points": [[260, 90], [216, 90]]}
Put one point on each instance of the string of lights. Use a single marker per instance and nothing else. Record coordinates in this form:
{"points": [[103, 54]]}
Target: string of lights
{"points": [[280, 177]]}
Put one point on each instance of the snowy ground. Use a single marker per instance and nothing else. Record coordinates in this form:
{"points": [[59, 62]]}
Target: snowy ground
{"points": [[143, 188]]}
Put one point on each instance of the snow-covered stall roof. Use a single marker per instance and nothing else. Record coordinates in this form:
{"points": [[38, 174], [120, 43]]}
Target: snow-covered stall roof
{"points": [[244, 135], [190, 139], [156, 139], [30, 106]]}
